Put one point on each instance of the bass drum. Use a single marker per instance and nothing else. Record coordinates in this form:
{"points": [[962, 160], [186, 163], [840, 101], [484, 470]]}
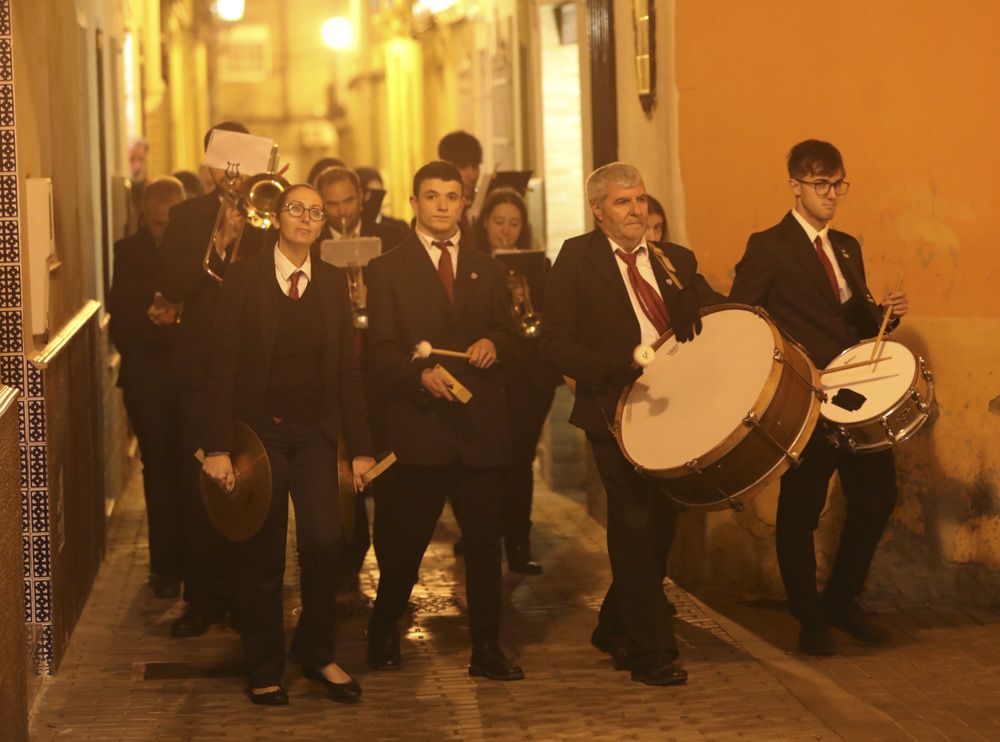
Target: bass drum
{"points": [[718, 418]]}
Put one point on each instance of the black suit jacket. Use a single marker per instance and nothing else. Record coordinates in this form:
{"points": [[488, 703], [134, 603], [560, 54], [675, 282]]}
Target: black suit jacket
{"points": [[243, 344], [589, 325], [781, 272], [407, 304], [185, 280], [146, 349]]}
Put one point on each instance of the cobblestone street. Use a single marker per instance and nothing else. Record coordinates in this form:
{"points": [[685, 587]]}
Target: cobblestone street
{"points": [[125, 678]]}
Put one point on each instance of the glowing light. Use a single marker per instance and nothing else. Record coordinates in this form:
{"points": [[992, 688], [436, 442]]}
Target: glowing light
{"points": [[432, 6], [338, 33], [230, 10]]}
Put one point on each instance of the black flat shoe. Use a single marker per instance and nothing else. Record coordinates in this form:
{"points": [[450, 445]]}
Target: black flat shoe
{"points": [[193, 622], [349, 692], [815, 638], [488, 661], [668, 674], [519, 560], [383, 649], [852, 619], [271, 698]]}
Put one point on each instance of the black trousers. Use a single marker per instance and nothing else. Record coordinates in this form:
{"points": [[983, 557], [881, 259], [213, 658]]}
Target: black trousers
{"points": [[205, 552], [528, 406], [353, 552], [407, 507], [641, 523], [156, 422], [869, 484], [303, 464]]}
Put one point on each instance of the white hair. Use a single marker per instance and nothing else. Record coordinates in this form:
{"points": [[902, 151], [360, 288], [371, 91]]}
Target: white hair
{"points": [[614, 172]]}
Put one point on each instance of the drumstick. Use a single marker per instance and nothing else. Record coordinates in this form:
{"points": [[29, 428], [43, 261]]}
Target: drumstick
{"points": [[425, 350], [859, 364], [885, 321], [668, 267]]}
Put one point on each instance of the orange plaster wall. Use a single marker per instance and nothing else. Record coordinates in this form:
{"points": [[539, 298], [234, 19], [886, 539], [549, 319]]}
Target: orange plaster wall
{"points": [[908, 90]]}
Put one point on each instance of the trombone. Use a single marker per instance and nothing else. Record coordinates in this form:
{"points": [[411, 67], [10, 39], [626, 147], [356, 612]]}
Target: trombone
{"points": [[356, 287], [256, 198]]}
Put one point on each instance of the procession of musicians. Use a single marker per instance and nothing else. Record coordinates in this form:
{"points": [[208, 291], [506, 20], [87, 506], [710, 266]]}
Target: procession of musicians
{"points": [[445, 351]]}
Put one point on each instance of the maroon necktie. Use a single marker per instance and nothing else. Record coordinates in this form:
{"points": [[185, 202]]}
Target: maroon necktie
{"points": [[649, 299], [293, 289], [828, 267], [445, 271]]}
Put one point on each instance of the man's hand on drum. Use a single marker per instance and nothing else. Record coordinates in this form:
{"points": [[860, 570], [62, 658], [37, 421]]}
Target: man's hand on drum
{"points": [[898, 302], [686, 321]]}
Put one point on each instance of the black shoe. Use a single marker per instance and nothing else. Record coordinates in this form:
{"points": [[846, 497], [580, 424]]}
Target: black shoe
{"points": [[852, 619], [615, 649], [815, 638], [667, 674], [271, 698], [459, 548], [165, 587], [488, 661], [383, 649], [519, 560], [193, 622], [349, 692]]}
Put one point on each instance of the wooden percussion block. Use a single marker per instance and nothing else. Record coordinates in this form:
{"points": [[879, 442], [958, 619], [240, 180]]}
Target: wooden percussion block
{"points": [[462, 394]]}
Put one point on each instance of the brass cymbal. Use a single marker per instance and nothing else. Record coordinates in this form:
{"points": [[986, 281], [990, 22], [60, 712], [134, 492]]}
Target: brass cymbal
{"points": [[239, 514]]}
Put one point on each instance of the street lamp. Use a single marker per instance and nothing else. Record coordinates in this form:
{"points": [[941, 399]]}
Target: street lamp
{"points": [[338, 33], [229, 10]]}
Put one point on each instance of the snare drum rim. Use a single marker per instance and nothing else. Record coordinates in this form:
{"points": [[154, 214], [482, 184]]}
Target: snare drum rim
{"points": [[898, 401], [764, 399]]}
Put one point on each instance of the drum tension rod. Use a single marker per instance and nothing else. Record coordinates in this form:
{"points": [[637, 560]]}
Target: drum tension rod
{"points": [[780, 358], [751, 421], [736, 505]]}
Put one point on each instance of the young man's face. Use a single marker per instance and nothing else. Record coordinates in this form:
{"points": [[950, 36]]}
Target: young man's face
{"points": [[343, 205], [815, 208], [437, 206], [622, 214]]}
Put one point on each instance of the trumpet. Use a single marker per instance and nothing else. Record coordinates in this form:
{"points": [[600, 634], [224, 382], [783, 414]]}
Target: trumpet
{"points": [[529, 322], [255, 198], [356, 287]]}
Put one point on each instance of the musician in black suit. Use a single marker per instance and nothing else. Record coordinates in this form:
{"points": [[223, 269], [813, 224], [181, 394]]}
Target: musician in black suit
{"points": [[430, 289], [811, 280], [607, 294], [341, 190], [284, 363], [185, 281], [144, 329]]}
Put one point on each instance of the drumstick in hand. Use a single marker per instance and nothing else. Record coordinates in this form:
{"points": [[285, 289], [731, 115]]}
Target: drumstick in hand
{"points": [[425, 350], [886, 314]]}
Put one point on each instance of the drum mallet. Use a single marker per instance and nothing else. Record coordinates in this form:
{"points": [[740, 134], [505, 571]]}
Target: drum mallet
{"points": [[643, 355], [425, 350]]}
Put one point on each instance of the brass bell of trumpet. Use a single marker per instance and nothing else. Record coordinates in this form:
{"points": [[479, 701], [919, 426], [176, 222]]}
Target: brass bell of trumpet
{"points": [[528, 321], [256, 198]]}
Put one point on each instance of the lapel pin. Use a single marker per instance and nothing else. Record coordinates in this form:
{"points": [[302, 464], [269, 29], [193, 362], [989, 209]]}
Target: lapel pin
{"points": [[474, 276], [669, 282]]}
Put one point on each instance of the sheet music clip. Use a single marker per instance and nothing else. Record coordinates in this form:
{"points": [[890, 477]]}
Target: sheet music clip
{"points": [[353, 252]]}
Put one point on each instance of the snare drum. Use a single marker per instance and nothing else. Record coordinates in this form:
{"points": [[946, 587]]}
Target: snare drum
{"points": [[874, 407], [721, 416]]}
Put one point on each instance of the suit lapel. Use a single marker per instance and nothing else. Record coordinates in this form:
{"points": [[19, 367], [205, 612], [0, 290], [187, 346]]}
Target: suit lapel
{"points": [[464, 282], [804, 253], [267, 301], [606, 265], [852, 274]]}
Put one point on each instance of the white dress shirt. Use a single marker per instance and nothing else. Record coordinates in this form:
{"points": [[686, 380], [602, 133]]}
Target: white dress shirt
{"points": [[823, 234], [435, 252], [284, 268], [647, 330]]}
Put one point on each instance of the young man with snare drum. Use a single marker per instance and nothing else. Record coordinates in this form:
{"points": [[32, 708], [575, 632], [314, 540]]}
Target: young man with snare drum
{"points": [[811, 280]]}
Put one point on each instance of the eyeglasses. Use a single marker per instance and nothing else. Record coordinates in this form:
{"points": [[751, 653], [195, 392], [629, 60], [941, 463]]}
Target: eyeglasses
{"points": [[822, 187], [296, 210]]}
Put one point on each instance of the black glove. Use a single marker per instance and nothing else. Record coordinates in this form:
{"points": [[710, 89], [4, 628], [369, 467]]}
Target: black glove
{"points": [[621, 375], [685, 318]]}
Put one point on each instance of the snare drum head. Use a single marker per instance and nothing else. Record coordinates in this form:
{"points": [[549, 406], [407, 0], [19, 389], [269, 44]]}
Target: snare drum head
{"points": [[695, 394], [867, 392]]}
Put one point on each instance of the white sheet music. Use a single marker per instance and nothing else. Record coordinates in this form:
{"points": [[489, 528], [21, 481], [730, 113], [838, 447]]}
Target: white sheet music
{"points": [[248, 152]]}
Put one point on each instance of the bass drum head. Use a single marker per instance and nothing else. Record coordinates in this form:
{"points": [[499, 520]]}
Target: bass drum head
{"points": [[695, 395], [865, 393]]}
